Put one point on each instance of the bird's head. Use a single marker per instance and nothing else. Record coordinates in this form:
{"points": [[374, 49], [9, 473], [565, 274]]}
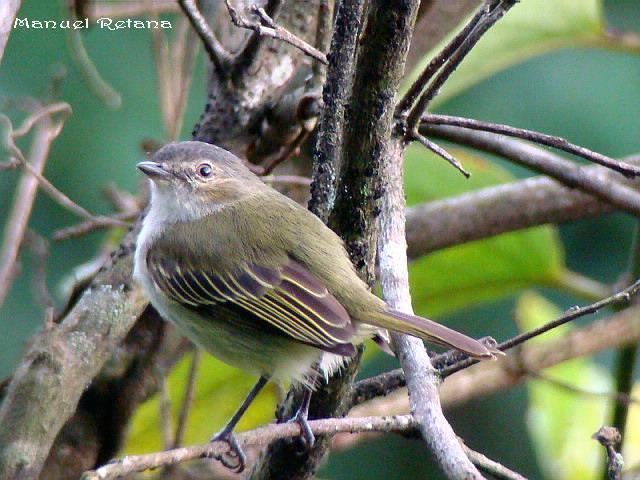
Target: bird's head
{"points": [[192, 179]]}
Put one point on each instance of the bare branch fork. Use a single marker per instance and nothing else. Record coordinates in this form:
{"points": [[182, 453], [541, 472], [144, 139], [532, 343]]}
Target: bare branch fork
{"points": [[268, 28], [47, 130], [611, 190], [218, 55], [629, 171], [426, 87], [411, 109], [400, 424]]}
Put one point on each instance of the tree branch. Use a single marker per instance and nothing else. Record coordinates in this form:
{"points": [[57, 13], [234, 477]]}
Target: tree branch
{"points": [[436, 19], [489, 13], [236, 106], [617, 330], [540, 160], [629, 171], [491, 467], [488, 378], [56, 369], [441, 152], [25, 195], [503, 208], [220, 58], [335, 95], [378, 74], [258, 437], [273, 31], [422, 380]]}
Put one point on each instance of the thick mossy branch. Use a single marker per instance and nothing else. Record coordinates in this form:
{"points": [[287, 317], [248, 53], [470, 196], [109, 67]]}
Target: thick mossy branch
{"points": [[60, 363]]}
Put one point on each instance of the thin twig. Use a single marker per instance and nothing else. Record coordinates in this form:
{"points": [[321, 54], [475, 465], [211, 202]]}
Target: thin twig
{"points": [[97, 223], [291, 179], [94, 80], [121, 200], [25, 195], [187, 400], [491, 467], [541, 160], [621, 298], [385, 383], [629, 171], [18, 159], [273, 30], [436, 64], [441, 152], [218, 55], [165, 412], [287, 152], [258, 437], [491, 11], [618, 397], [39, 248]]}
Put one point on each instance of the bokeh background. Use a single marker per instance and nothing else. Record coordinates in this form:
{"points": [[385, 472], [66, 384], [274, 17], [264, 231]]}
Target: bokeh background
{"points": [[547, 67]]}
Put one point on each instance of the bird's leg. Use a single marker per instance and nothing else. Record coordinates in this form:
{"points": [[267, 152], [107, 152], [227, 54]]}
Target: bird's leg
{"points": [[226, 434], [301, 418]]}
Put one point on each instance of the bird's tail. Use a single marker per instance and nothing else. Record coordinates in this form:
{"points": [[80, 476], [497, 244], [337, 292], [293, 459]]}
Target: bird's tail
{"points": [[431, 332]]}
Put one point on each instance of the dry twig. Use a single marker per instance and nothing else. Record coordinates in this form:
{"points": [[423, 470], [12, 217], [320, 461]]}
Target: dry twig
{"points": [[621, 298], [18, 219], [117, 220], [187, 399], [502, 208], [449, 59], [491, 467], [268, 28], [441, 152], [258, 437], [615, 192], [218, 55], [387, 382], [629, 171]]}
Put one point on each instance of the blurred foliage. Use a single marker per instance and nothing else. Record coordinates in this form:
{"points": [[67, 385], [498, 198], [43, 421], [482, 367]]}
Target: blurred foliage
{"points": [[564, 445], [220, 389], [478, 271], [587, 95]]}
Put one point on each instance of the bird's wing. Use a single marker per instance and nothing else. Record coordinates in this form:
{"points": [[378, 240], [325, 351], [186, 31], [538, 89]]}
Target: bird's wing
{"points": [[287, 297]]}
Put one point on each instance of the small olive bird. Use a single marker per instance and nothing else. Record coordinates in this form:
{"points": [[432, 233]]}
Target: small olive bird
{"points": [[256, 279]]}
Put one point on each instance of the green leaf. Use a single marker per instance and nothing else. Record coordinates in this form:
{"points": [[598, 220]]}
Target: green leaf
{"points": [[482, 270], [220, 390], [563, 445], [529, 29]]}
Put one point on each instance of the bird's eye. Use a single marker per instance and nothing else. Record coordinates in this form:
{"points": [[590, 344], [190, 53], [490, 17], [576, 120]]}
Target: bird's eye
{"points": [[204, 170]]}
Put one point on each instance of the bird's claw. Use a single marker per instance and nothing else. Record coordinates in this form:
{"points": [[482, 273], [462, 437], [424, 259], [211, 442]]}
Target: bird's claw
{"points": [[306, 435], [235, 459]]}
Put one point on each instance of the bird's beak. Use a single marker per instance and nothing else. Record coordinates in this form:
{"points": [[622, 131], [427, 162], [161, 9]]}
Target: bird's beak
{"points": [[153, 170]]}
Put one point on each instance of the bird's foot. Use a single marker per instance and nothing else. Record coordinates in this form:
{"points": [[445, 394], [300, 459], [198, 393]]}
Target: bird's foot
{"points": [[306, 435], [235, 459]]}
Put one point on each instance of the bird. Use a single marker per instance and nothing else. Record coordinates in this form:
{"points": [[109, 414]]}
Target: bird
{"points": [[256, 279]]}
